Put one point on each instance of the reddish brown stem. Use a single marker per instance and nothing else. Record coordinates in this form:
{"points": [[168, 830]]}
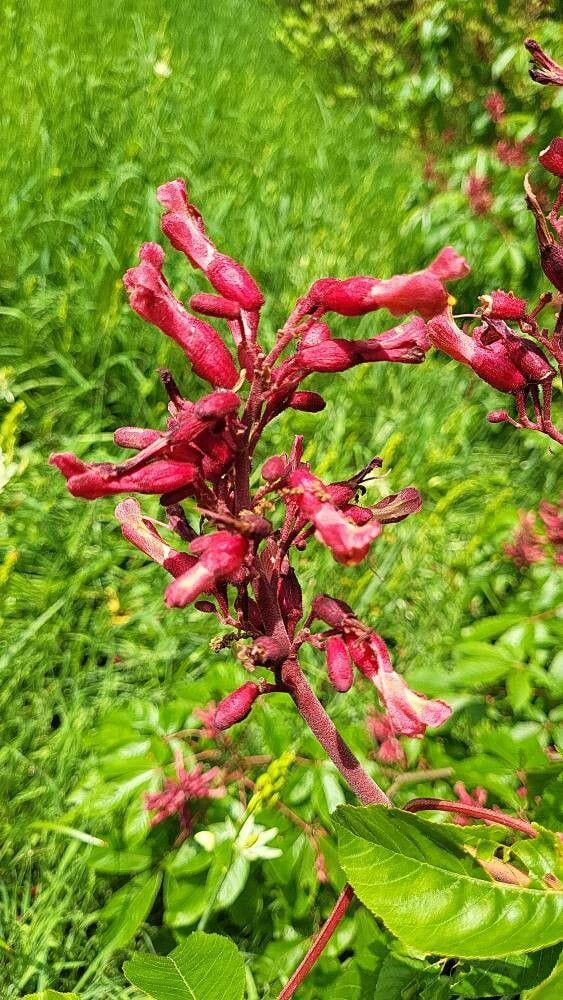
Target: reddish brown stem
{"points": [[320, 942], [475, 812], [328, 736]]}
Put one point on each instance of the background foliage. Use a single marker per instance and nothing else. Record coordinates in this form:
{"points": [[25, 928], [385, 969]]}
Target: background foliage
{"points": [[300, 174]]}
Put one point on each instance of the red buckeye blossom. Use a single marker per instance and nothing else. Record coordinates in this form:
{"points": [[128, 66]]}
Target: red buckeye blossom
{"points": [[527, 357], [422, 292], [339, 664], [142, 533], [103, 479], [409, 713], [151, 297], [494, 104], [220, 555], [348, 542], [236, 706], [406, 344], [492, 366], [183, 225], [503, 305], [177, 796], [552, 157]]}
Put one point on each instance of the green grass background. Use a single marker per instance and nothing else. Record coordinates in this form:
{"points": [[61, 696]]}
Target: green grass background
{"points": [[297, 189]]}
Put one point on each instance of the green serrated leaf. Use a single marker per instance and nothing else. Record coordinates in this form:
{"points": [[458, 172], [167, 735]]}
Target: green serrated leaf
{"points": [[203, 967], [435, 897]]}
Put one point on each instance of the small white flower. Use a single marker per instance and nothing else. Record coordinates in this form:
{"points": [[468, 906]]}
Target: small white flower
{"points": [[253, 839]]}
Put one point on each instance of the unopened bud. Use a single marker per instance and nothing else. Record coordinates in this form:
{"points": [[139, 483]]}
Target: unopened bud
{"points": [[338, 663], [236, 706]]}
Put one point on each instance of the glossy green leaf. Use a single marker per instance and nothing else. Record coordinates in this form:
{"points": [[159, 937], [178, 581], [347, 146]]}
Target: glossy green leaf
{"points": [[203, 967], [550, 989], [433, 895]]}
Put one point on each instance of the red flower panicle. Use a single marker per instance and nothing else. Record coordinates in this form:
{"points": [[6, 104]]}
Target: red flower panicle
{"points": [[215, 538]]}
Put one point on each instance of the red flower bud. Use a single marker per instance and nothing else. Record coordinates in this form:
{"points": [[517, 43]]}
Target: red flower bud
{"points": [[151, 297], [338, 663], [217, 405], [332, 611], [274, 468], [503, 305], [233, 281], [552, 157], [498, 417], [307, 402], [236, 706], [135, 437], [215, 305]]}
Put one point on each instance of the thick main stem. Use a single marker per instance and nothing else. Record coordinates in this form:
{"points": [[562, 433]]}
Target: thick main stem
{"points": [[319, 943], [328, 736]]}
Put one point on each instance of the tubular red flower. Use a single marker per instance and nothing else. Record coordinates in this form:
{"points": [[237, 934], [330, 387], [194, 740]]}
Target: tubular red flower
{"points": [[503, 305], [236, 706], [102, 479], [492, 366], [221, 554], [339, 664], [407, 343], [524, 354], [422, 291], [398, 506], [552, 157], [409, 713], [151, 297], [183, 225]]}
